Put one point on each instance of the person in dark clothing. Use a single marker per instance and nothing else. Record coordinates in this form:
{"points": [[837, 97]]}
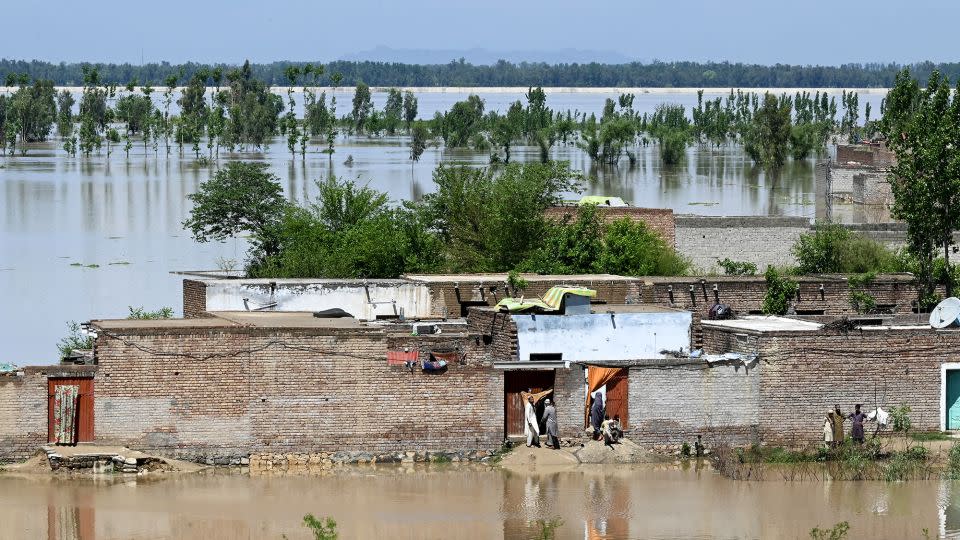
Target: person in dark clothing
{"points": [[550, 421], [596, 414], [856, 430]]}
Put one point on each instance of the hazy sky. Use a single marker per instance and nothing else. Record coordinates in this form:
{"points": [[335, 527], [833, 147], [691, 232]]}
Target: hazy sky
{"points": [[770, 31]]}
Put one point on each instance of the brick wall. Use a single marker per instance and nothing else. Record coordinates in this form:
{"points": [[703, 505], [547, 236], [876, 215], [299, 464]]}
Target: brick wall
{"points": [[23, 414], [497, 331], [194, 298], [874, 156], [672, 405], [659, 220], [474, 291], [570, 393], [310, 390], [764, 241]]}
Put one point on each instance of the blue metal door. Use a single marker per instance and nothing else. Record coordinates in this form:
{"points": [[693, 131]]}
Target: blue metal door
{"points": [[953, 399]]}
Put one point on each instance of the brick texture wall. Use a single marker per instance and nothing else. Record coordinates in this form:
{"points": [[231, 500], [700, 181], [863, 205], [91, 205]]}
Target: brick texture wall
{"points": [[472, 292], [657, 219], [570, 393], [280, 391], [497, 332], [758, 239], [194, 298], [874, 156], [672, 405], [23, 414]]}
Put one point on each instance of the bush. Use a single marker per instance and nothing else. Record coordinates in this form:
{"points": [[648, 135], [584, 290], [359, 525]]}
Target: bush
{"points": [[76, 338], [780, 291], [834, 249], [737, 268], [322, 529], [860, 300], [838, 532], [953, 463]]}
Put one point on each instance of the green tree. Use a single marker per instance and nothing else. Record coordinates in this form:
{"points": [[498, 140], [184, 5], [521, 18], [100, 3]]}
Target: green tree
{"points": [[65, 102], [242, 197], [768, 137], [419, 137], [362, 105], [393, 111], [922, 127], [409, 108]]}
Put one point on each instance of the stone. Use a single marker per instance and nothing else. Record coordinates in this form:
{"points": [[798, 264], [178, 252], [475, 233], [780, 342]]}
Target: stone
{"points": [[244, 461]]}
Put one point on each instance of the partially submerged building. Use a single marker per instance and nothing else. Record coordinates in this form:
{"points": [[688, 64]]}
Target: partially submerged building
{"points": [[375, 383]]}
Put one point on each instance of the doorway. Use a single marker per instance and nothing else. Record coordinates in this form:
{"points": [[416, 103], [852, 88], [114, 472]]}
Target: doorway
{"points": [[952, 394], [618, 397], [514, 382], [70, 410]]}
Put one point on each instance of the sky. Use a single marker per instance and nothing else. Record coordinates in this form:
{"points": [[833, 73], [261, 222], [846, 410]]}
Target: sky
{"points": [[766, 32]]}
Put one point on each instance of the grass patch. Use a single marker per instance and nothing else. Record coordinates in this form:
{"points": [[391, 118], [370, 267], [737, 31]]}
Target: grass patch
{"points": [[440, 458], [932, 436], [76, 264], [499, 454], [119, 263]]}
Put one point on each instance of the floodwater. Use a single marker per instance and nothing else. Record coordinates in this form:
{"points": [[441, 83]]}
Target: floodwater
{"points": [[473, 502], [85, 238]]}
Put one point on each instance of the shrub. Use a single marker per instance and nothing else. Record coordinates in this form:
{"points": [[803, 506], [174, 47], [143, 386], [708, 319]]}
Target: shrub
{"points": [[953, 463], [141, 314], [322, 529], [860, 300], [780, 290], [837, 532], [834, 249], [737, 268], [76, 338], [901, 418]]}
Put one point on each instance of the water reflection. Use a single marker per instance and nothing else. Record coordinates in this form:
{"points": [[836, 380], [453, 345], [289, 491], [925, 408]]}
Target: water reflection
{"points": [[470, 502]]}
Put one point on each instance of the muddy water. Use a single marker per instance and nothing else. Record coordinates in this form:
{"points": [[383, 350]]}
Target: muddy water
{"points": [[84, 238], [451, 501]]}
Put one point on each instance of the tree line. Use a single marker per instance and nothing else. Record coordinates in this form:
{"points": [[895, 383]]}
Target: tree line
{"points": [[503, 73], [238, 111]]}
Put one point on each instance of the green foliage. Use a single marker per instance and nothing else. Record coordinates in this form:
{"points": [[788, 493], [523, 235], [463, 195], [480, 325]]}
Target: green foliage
{"points": [[685, 450], [860, 300], [780, 291], [419, 137], [900, 415], [768, 137], [140, 314], [241, 197], [516, 282], [737, 268], [253, 111], [409, 108], [362, 106], [670, 126], [632, 249], [831, 248], [837, 532], [922, 127], [322, 529], [31, 111], [491, 220], [462, 122], [349, 231], [930, 436], [76, 338], [953, 462], [547, 529]]}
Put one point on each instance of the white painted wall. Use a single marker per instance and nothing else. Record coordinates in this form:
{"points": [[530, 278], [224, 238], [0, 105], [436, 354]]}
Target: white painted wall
{"points": [[602, 336], [414, 298]]}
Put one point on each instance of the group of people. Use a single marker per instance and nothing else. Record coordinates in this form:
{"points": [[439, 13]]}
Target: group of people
{"points": [[531, 426], [603, 426], [833, 431]]}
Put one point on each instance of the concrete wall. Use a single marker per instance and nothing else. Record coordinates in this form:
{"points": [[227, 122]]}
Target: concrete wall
{"points": [[309, 390], [361, 301], [672, 405], [603, 336], [761, 240]]}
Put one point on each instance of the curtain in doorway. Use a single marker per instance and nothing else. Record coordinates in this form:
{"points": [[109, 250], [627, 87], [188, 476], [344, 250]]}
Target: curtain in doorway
{"points": [[596, 377], [65, 413]]}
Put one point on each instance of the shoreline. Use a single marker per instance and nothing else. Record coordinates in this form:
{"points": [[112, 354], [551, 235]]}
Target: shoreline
{"points": [[522, 89]]}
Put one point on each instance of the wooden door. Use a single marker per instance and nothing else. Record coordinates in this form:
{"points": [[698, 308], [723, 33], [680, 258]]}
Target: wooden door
{"points": [[84, 417], [514, 382], [618, 398]]}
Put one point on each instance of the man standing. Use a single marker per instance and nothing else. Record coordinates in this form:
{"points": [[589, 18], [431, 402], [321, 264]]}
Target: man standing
{"points": [[838, 434], [531, 427], [856, 430], [550, 418]]}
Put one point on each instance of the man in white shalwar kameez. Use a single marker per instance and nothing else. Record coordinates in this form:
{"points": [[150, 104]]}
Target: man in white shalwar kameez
{"points": [[531, 427]]}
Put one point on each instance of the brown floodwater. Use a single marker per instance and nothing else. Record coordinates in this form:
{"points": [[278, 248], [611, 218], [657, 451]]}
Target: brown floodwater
{"points": [[463, 501], [84, 238]]}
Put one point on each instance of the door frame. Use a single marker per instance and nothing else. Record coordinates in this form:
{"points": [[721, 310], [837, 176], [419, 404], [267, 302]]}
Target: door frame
{"points": [[85, 428], [944, 368], [551, 372]]}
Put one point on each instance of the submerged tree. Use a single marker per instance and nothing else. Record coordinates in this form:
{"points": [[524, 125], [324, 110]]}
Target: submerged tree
{"points": [[922, 127]]}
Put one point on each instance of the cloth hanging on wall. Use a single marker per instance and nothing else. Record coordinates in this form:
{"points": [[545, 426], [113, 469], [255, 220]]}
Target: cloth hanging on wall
{"points": [[65, 413], [596, 377]]}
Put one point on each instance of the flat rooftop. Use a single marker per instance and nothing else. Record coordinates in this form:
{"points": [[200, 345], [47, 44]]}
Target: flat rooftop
{"points": [[765, 323], [234, 319], [602, 309], [499, 278]]}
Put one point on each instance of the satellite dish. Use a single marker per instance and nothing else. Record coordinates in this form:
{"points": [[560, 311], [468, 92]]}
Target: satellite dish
{"points": [[946, 313]]}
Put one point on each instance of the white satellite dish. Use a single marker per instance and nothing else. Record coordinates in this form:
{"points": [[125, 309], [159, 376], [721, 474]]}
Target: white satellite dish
{"points": [[946, 313]]}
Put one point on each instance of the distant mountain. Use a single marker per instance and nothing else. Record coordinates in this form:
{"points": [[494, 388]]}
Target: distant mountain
{"points": [[481, 57]]}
